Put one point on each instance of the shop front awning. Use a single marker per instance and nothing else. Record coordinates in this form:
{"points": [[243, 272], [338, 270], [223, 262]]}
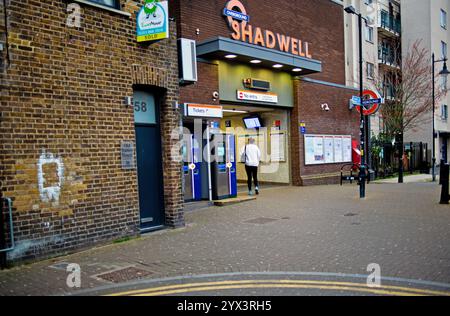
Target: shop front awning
{"points": [[219, 47]]}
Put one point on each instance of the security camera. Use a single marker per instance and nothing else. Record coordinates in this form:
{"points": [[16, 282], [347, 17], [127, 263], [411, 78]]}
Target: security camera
{"points": [[325, 107], [215, 95]]}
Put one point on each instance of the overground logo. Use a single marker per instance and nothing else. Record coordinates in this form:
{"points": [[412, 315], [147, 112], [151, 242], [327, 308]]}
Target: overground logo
{"points": [[232, 14]]}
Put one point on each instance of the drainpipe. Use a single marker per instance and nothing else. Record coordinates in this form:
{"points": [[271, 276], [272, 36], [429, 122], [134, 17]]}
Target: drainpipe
{"points": [[2, 234]]}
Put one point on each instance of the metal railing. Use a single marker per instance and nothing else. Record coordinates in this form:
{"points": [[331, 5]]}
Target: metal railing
{"points": [[354, 173], [390, 23], [10, 220]]}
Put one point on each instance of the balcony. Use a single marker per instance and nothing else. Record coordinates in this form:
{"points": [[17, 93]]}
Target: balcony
{"points": [[389, 25], [386, 58], [389, 92]]}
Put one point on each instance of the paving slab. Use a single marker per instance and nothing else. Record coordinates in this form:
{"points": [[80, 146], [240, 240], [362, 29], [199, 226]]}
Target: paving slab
{"points": [[323, 229]]}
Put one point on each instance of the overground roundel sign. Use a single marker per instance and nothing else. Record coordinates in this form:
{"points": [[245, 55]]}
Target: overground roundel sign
{"points": [[231, 13], [374, 107]]}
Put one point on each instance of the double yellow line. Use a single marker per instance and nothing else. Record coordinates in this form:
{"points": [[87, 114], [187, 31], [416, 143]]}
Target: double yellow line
{"points": [[281, 284]]}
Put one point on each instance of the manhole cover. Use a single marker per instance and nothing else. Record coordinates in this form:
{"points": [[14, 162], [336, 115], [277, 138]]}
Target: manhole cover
{"points": [[261, 221], [124, 275], [350, 215]]}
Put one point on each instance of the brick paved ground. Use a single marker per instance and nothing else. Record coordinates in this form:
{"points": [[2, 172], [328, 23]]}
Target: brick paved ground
{"points": [[314, 229]]}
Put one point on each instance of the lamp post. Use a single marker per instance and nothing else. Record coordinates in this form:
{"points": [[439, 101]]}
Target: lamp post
{"points": [[444, 72], [362, 170]]}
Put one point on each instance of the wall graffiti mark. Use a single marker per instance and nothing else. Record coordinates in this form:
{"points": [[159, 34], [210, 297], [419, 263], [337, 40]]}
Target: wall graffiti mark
{"points": [[49, 188]]}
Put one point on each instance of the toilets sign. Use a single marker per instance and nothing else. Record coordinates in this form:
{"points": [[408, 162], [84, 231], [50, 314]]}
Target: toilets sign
{"points": [[153, 21]]}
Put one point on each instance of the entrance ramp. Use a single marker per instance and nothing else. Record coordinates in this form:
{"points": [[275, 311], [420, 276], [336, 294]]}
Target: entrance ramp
{"points": [[241, 198]]}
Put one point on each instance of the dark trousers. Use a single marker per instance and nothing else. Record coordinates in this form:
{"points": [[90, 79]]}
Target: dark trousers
{"points": [[252, 172]]}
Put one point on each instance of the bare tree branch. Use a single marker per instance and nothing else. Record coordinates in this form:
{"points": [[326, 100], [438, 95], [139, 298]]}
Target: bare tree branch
{"points": [[411, 103]]}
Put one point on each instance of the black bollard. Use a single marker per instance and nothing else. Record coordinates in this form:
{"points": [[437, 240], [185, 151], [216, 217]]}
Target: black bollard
{"points": [[440, 172], [445, 184]]}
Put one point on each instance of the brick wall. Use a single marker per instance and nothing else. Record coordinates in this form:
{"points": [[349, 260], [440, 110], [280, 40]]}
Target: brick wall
{"points": [[338, 121], [62, 102], [202, 91], [319, 22]]}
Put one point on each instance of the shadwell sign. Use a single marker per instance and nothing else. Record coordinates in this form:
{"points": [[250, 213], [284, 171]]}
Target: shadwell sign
{"points": [[238, 20]]}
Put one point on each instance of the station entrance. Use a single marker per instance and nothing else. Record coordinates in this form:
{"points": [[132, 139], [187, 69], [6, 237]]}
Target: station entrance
{"points": [[212, 150]]}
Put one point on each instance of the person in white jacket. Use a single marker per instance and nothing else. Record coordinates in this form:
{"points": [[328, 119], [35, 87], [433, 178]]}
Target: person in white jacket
{"points": [[252, 157]]}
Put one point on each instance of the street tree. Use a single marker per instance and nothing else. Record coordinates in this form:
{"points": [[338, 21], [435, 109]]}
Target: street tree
{"points": [[406, 84]]}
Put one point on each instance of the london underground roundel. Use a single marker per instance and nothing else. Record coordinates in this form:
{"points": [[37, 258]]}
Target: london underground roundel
{"points": [[375, 106]]}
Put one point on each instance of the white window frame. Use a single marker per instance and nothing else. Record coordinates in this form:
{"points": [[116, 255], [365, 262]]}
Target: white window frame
{"points": [[444, 49], [370, 74], [104, 7], [369, 34], [443, 19], [444, 112]]}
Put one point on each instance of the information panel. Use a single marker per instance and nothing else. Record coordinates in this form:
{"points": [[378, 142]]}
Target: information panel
{"points": [[327, 149], [278, 148]]}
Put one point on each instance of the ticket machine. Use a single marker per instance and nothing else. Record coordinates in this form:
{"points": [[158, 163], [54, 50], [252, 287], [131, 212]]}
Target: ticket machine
{"points": [[191, 169], [223, 166]]}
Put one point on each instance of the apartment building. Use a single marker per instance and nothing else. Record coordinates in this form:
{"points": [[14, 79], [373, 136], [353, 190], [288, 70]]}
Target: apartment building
{"points": [[381, 48], [428, 21]]}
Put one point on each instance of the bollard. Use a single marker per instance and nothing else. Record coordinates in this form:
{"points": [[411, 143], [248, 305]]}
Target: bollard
{"points": [[445, 184], [440, 172]]}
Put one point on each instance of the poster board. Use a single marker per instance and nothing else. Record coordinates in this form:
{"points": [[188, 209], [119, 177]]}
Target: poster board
{"points": [[327, 149], [278, 146]]}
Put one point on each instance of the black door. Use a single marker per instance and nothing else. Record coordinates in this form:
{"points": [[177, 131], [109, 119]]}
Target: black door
{"points": [[149, 161]]}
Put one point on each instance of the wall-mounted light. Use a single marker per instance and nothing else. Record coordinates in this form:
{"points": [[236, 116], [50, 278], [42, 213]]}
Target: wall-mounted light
{"points": [[235, 111], [128, 101]]}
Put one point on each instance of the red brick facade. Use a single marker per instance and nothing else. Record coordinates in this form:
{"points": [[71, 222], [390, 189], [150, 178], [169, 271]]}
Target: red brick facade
{"points": [[63, 92], [319, 23]]}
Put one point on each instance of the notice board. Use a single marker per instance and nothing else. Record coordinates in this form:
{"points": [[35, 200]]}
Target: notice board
{"points": [[327, 149], [278, 146]]}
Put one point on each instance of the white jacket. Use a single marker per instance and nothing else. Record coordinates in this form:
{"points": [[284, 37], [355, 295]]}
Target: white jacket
{"points": [[252, 155]]}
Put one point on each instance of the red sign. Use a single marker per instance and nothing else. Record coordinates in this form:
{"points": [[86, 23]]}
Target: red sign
{"points": [[368, 95]]}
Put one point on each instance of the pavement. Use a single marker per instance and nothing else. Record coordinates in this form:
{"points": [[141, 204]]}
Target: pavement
{"points": [[289, 241], [409, 179]]}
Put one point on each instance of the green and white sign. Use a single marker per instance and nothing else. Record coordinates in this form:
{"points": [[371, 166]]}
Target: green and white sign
{"points": [[153, 21]]}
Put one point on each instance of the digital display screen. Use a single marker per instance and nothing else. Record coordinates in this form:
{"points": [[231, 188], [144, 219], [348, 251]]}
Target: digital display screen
{"points": [[252, 122]]}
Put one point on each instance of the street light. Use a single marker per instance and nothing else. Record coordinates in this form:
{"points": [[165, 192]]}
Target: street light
{"points": [[444, 72], [362, 170]]}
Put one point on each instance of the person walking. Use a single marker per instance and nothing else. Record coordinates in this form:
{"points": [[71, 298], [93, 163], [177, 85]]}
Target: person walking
{"points": [[251, 156]]}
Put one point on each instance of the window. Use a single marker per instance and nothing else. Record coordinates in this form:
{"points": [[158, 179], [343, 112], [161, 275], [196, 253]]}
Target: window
{"points": [[370, 70], [443, 19], [444, 83], [444, 49], [369, 34], [444, 112], [108, 3]]}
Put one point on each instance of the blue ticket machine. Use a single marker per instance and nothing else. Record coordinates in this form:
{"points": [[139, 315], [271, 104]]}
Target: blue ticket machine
{"points": [[223, 166], [191, 169]]}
